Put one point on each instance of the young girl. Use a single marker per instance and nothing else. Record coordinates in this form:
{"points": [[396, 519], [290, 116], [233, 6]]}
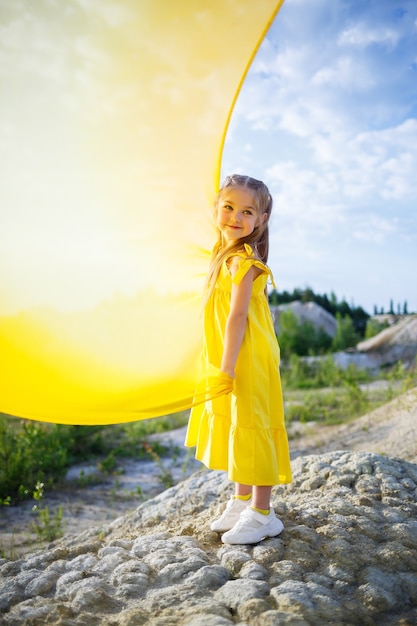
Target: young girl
{"points": [[242, 433]]}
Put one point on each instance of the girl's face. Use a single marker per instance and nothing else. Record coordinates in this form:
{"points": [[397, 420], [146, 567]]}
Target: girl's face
{"points": [[237, 213]]}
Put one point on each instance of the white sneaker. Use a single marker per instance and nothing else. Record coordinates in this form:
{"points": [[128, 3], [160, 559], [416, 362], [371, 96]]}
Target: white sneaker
{"points": [[230, 515], [252, 527]]}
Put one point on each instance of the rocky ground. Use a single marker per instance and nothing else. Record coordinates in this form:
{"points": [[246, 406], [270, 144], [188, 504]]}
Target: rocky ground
{"points": [[348, 554]]}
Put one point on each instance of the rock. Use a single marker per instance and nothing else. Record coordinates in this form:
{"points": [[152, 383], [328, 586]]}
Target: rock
{"points": [[348, 556]]}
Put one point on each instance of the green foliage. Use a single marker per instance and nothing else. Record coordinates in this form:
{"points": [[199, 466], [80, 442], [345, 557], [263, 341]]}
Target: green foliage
{"points": [[319, 373], [346, 335], [30, 453], [165, 476], [316, 390], [331, 407], [34, 453], [401, 378], [109, 464], [84, 442], [46, 527], [373, 327], [300, 338]]}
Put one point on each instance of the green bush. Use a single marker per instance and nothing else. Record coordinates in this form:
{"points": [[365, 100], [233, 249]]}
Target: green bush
{"points": [[29, 453], [346, 335], [302, 373], [373, 327], [301, 338], [33, 452]]}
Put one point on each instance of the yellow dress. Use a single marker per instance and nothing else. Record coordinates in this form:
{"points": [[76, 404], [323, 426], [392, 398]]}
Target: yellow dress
{"points": [[244, 432]]}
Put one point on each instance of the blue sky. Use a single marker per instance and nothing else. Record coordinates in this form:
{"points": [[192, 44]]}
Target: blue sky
{"points": [[327, 117]]}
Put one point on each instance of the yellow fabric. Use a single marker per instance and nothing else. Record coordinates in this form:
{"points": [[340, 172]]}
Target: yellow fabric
{"points": [[248, 497], [114, 117], [243, 433], [261, 511]]}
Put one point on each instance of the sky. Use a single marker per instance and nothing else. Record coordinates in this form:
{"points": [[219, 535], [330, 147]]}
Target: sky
{"points": [[327, 117]]}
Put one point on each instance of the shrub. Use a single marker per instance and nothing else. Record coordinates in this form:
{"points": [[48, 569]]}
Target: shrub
{"points": [[306, 373], [30, 453], [301, 338], [346, 335], [373, 327]]}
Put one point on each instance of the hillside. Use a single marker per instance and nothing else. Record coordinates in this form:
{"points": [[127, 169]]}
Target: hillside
{"points": [[306, 312], [398, 342]]}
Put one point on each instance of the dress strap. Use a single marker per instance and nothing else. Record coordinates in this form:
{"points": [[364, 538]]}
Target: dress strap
{"points": [[247, 260]]}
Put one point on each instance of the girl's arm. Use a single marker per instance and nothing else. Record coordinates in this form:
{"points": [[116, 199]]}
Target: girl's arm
{"points": [[236, 321]]}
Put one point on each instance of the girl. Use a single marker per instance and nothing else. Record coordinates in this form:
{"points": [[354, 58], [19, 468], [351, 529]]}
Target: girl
{"points": [[242, 433]]}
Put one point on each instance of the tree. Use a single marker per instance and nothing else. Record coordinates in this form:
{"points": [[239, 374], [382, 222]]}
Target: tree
{"points": [[274, 297], [302, 338], [346, 335], [308, 295]]}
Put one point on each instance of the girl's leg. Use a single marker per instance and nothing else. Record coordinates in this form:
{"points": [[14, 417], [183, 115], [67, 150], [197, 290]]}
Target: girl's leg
{"points": [[255, 522], [261, 498], [242, 490], [235, 506]]}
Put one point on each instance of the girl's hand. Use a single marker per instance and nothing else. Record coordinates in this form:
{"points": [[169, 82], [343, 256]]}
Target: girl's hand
{"points": [[228, 372]]}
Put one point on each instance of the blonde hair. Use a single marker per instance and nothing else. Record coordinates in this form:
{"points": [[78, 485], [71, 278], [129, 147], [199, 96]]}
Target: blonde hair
{"points": [[258, 238]]}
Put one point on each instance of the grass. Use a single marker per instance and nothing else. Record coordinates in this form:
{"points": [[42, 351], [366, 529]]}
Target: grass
{"points": [[354, 395]]}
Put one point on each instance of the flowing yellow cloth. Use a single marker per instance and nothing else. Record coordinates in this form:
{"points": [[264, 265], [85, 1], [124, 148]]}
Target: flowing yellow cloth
{"points": [[114, 118]]}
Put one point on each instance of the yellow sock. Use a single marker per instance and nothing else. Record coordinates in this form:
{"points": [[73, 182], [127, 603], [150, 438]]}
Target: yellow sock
{"points": [[261, 511], [247, 497]]}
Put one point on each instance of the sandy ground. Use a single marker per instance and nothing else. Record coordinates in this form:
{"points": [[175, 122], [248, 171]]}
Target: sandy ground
{"points": [[390, 430]]}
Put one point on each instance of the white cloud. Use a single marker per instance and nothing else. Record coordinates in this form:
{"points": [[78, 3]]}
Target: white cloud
{"points": [[310, 201], [362, 36], [344, 179], [389, 159], [347, 73], [329, 109], [374, 228]]}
